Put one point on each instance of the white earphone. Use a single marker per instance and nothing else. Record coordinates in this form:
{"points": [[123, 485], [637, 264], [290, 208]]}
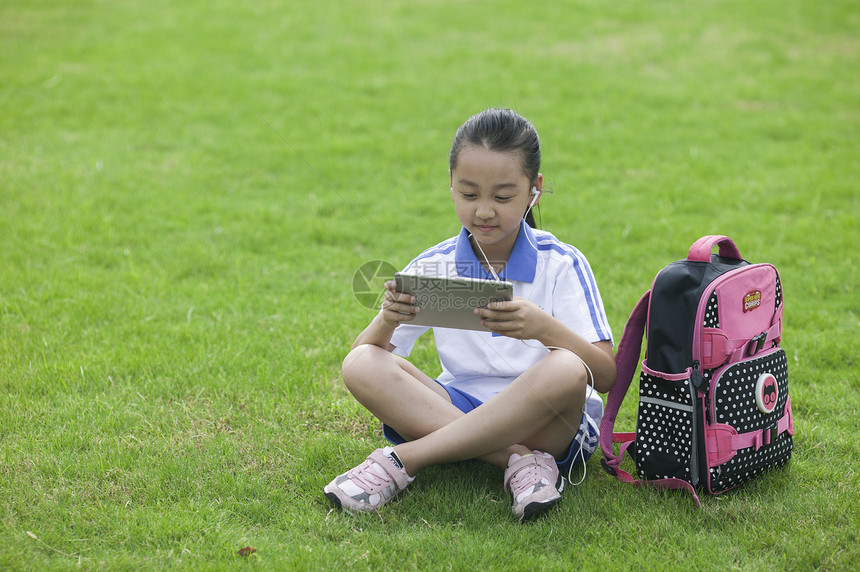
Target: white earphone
{"points": [[536, 194]]}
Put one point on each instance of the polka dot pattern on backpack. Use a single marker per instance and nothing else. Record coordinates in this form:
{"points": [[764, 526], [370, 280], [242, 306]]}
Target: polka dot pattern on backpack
{"points": [[734, 403]]}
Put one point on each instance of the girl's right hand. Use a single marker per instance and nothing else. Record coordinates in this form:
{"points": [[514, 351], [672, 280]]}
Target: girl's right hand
{"points": [[398, 306]]}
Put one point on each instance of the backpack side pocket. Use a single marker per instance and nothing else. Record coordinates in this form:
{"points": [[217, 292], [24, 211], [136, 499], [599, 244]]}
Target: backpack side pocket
{"points": [[665, 427]]}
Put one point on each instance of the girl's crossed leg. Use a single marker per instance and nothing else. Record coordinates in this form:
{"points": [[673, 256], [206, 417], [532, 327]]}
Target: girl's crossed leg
{"points": [[540, 410]]}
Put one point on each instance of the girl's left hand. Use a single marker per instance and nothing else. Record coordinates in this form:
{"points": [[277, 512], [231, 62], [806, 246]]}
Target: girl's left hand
{"points": [[517, 318]]}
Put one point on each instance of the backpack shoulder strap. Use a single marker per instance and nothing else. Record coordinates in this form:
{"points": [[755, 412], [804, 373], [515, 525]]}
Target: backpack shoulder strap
{"points": [[626, 360]]}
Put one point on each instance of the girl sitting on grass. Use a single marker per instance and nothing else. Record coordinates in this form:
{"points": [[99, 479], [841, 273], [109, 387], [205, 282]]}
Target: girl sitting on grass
{"points": [[516, 396]]}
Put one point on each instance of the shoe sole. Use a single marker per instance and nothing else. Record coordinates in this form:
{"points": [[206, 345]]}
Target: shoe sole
{"points": [[334, 500], [535, 509]]}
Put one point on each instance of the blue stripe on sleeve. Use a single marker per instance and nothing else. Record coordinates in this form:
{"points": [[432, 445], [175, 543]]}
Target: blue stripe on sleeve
{"points": [[586, 282]]}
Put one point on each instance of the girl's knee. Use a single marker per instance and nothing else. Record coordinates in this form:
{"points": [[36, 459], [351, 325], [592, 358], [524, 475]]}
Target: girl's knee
{"points": [[354, 362], [572, 372], [360, 363]]}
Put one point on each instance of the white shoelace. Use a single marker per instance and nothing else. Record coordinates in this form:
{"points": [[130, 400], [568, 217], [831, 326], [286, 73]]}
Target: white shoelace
{"points": [[369, 479], [525, 478]]}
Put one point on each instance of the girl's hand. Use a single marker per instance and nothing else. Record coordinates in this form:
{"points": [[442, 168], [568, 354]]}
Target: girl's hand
{"points": [[396, 306], [517, 318]]}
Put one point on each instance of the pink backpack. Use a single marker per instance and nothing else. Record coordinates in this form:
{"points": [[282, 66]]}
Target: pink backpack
{"points": [[714, 410]]}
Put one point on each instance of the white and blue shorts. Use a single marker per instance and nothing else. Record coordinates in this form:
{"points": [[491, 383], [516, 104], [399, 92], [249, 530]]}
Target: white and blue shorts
{"points": [[584, 444]]}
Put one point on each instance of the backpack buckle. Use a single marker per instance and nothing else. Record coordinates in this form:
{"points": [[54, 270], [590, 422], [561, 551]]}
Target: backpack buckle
{"points": [[770, 434], [757, 343]]}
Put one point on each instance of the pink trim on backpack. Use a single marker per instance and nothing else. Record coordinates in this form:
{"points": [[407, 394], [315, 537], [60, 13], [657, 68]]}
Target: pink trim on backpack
{"points": [[667, 376], [748, 322], [723, 441], [717, 349]]}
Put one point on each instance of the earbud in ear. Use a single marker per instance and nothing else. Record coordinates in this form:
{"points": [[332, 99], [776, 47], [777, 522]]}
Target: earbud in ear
{"points": [[536, 194]]}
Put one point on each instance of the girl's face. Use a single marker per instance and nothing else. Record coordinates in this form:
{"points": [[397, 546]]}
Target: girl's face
{"points": [[491, 193]]}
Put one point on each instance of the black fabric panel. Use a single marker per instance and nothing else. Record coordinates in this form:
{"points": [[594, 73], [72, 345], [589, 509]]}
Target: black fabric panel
{"points": [[674, 301]]}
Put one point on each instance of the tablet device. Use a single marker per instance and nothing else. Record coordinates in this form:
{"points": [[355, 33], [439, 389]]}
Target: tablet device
{"points": [[450, 302]]}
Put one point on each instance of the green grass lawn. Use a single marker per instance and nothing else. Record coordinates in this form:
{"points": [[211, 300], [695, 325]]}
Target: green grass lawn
{"points": [[186, 189]]}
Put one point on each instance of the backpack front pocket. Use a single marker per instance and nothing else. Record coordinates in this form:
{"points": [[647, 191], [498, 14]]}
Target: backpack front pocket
{"points": [[750, 425]]}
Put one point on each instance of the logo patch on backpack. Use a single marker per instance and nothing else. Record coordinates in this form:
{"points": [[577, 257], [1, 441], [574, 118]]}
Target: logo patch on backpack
{"points": [[752, 301], [766, 393]]}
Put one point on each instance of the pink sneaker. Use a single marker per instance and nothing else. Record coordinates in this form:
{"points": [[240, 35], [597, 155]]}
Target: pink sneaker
{"points": [[369, 485], [535, 483]]}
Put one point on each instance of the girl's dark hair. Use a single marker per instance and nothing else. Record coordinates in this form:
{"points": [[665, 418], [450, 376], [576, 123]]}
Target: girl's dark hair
{"points": [[501, 130]]}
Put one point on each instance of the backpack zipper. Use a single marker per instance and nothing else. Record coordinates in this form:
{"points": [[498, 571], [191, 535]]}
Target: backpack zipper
{"points": [[698, 383], [695, 377], [705, 389]]}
